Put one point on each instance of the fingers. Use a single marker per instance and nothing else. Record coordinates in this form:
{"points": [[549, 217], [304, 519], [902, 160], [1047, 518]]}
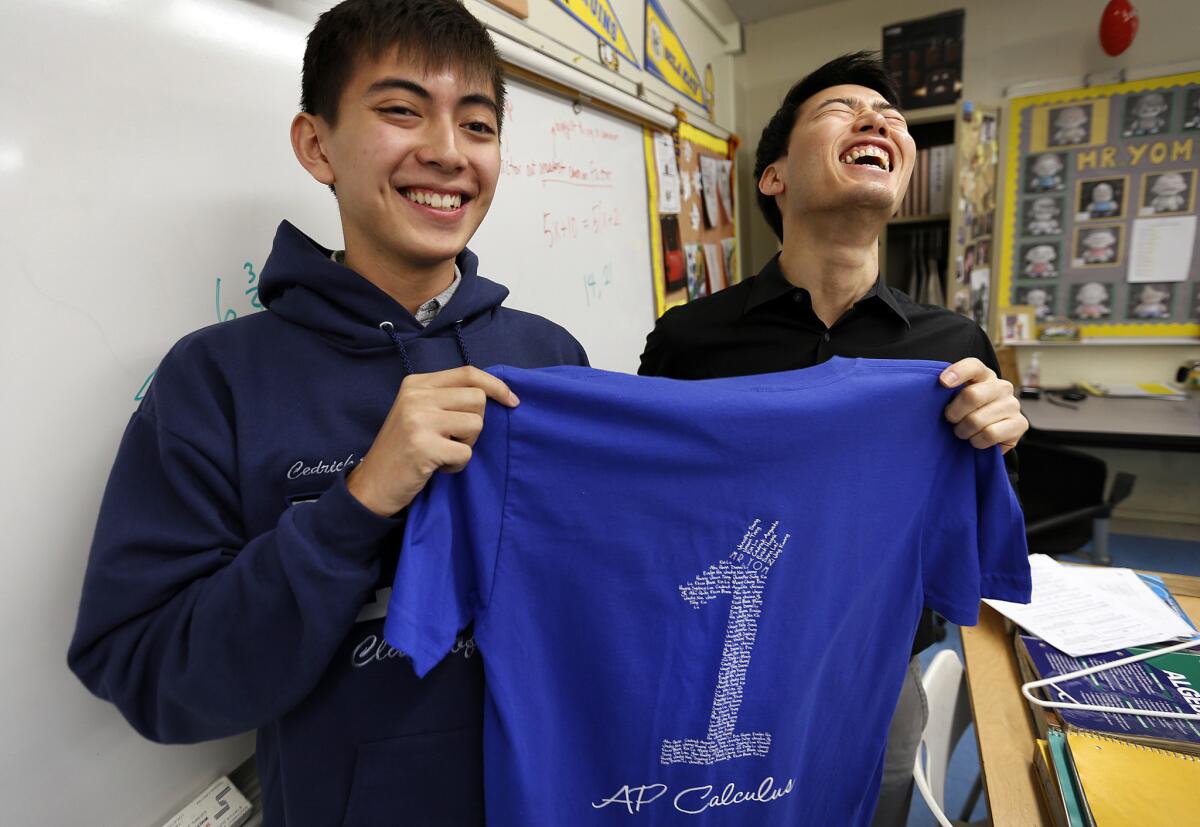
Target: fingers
{"points": [[980, 394], [466, 377], [996, 423], [1005, 433], [966, 371], [465, 400], [460, 427], [432, 426]]}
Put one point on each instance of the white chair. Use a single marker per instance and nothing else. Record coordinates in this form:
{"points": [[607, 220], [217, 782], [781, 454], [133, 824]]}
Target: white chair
{"points": [[949, 716]]}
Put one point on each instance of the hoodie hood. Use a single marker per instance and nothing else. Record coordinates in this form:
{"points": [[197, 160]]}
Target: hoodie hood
{"points": [[302, 283]]}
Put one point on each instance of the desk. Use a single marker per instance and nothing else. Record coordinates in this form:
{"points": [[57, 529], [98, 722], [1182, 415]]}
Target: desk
{"points": [[1004, 726], [1153, 424]]}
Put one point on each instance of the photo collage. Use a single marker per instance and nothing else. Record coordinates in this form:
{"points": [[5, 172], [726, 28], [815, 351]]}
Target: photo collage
{"points": [[1103, 228], [693, 178]]}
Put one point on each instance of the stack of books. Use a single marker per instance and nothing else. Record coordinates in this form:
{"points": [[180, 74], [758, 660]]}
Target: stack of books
{"points": [[1098, 769], [929, 189]]}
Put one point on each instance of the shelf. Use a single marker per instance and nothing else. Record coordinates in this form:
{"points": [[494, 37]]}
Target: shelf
{"points": [[1114, 341], [920, 219], [932, 114]]}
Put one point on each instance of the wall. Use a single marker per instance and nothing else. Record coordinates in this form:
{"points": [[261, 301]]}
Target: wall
{"points": [[1005, 44]]}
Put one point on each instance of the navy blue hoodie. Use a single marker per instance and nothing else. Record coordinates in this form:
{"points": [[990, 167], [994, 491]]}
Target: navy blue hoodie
{"points": [[233, 579]]}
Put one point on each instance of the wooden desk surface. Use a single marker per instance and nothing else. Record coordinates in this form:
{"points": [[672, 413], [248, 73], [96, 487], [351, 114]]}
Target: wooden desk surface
{"points": [[1004, 726]]}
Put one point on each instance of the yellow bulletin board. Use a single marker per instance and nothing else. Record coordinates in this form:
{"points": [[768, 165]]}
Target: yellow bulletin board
{"points": [[692, 189], [1100, 208]]}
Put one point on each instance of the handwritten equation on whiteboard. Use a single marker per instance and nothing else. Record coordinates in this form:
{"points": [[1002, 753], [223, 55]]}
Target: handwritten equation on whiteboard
{"points": [[571, 225], [243, 292], [574, 149]]}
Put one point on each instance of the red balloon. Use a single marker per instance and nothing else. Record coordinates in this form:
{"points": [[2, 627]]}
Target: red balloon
{"points": [[1118, 26]]}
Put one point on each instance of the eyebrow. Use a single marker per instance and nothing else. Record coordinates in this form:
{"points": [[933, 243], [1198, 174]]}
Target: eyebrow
{"points": [[474, 99], [879, 104]]}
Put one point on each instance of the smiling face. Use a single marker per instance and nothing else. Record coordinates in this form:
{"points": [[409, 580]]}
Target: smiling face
{"points": [[1041, 254], [1169, 183], [414, 159], [1151, 106], [1071, 118], [1047, 165], [1044, 208], [849, 148]]}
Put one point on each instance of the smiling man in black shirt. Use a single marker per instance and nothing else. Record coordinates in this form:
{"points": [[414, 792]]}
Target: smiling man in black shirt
{"points": [[832, 167]]}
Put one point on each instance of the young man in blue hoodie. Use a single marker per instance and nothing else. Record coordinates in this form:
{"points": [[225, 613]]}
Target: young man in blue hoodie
{"points": [[255, 509]]}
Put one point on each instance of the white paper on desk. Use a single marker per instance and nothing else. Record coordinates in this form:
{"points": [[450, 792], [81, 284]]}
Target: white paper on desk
{"points": [[1084, 611]]}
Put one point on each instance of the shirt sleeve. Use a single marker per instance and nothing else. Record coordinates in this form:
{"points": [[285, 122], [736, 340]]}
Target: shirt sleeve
{"points": [[973, 538], [448, 559], [663, 352]]}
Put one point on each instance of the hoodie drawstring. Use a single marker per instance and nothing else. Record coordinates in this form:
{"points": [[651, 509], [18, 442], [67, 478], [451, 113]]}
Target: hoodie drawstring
{"points": [[390, 330], [462, 343]]}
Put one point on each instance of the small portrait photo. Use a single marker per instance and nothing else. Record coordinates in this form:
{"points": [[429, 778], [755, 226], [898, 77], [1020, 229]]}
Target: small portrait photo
{"points": [[1040, 260], [1091, 300], [1150, 301], [1101, 198], [674, 261], [986, 223], [697, 273], [1043, 216], [1044, 172], [1148, 113], [1041, 298], [1018, 324], [1070, 125], [969, 259], [1169, 193], [983, 252], [1098, 246], [980, 283], [1191, 108]]}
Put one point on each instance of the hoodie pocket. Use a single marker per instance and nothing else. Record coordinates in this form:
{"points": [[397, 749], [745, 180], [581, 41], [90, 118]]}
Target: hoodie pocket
{"points": [[433, 779]]}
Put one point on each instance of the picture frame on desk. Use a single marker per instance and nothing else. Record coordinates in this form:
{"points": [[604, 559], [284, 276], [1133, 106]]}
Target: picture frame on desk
{"points": [[1018, 324]]}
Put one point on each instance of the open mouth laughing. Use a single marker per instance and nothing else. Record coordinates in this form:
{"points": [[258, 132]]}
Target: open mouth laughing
{"points": [[868, 155]]}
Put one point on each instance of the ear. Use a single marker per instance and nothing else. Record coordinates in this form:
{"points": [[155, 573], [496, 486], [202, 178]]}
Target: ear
{"points": [[770, 182], [308, 131]]}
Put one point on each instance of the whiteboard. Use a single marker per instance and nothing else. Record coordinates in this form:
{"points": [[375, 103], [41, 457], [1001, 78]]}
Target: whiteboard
{"points": [[568, 232], [144, 166]]}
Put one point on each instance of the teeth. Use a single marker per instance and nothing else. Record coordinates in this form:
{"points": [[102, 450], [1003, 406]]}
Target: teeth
{"points": [[859, 151], [437, 200]]}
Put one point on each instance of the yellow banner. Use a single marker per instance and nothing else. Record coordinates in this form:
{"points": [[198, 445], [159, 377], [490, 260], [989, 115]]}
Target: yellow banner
{"points": [[598, 17], [665, 56]]}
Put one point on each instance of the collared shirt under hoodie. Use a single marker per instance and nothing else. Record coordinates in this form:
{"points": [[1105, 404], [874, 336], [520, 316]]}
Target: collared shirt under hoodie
{"points": [[765, 324], [428, 310], [235, 584]]}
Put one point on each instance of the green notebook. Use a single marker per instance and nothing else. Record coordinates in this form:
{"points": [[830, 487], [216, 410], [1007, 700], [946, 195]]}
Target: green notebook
{"points": [[1068, 785]]}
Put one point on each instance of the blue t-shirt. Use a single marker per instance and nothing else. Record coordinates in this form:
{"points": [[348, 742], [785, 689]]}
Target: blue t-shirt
{"points": [[696, 600]]}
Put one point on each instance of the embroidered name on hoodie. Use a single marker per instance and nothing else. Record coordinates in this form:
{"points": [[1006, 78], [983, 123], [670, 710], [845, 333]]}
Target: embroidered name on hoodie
{"points": [[299, 469]]}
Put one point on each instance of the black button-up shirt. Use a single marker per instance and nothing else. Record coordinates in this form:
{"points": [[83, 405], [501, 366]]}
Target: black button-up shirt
{"points": [[765, 324]]}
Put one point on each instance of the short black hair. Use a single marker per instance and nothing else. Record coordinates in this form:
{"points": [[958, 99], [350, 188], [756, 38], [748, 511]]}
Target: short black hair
{"points": [[435, 33], [856, 69]]}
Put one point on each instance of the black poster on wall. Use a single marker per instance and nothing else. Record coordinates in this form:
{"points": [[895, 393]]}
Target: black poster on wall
{"points": [[924, 58]]}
